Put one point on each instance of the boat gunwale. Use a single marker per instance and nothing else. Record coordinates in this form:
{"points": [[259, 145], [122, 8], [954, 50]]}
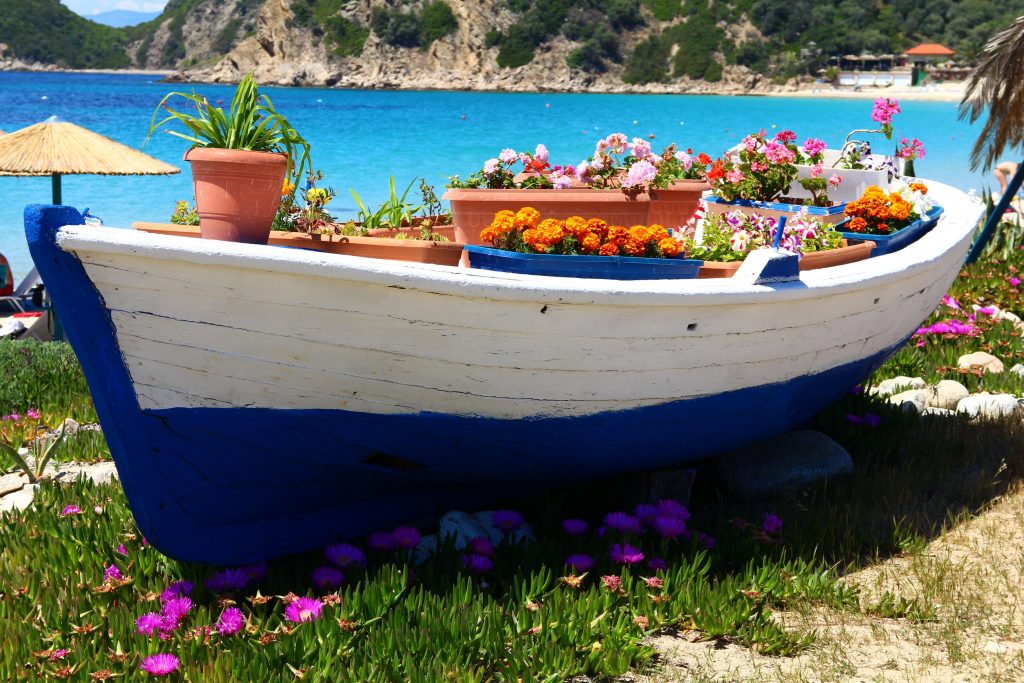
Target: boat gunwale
{"points": [[959, 220]]}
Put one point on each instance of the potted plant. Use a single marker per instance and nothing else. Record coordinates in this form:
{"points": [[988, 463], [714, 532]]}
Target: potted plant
{"points": [[891, 219], [621, 183], [760, 173], [239, 161], [854, 163], [577, 247], [724, 240]]}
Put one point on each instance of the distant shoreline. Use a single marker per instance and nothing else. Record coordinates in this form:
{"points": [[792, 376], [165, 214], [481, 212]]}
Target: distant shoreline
{"points": [[945, 92]]}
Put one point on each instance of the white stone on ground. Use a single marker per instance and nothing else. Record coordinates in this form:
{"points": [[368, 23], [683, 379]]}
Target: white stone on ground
{"points": [[788, 461], [16, 493], [888, 387], [982, 360], [18, 500], [947, 394], [989, 405], [1018, 370], [915, 400]]}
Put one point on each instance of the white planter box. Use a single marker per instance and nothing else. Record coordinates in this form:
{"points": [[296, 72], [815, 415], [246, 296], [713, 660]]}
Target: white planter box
{"points": [[855, 181]]}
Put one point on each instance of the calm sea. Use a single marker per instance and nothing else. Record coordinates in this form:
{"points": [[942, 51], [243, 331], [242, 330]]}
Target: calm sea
{"points": [[360, 138]]}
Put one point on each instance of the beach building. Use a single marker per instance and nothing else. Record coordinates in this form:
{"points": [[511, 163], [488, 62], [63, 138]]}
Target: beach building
{"points": [[925, 60], [872, 71]]}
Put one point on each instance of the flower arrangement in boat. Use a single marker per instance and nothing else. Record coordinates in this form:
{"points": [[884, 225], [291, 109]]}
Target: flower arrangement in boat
{"points": [[732, 236], [617, 162], [854, 153], [305, 211], [879, 212], [763, 169], [524, 231]]}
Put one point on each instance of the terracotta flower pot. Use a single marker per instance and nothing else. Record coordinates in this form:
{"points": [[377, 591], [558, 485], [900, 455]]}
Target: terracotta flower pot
{"points": [[237, 192], [674, 205], [848, 253], [473, 210]]}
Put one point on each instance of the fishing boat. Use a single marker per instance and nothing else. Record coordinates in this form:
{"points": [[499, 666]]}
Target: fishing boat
{"points": [[261, 400]]}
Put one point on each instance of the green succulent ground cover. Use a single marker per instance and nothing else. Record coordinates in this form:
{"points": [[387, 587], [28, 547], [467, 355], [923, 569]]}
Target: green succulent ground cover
{"points": [[529, 617]]}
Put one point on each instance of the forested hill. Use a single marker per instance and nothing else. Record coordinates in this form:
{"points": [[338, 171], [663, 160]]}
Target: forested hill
{"points": [[505, 43]]}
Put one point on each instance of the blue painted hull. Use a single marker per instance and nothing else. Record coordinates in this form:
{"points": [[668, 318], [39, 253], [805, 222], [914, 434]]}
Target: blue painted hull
{"points": [[234, 485]]}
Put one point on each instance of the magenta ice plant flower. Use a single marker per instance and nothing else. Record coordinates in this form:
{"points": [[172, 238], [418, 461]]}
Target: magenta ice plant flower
{"points": [[148, 623], [230, 622], [1014, 281], [255, 572], [706, 540], [574, 527], [669, 527], [624, 522], [32, 414], [772, 524], [625, 554], [381, 541], [646, 513], [612, 583], [656, 564], [477, 564], [406, 537], [177, 609], [112, 573], [481, 545], [160, 664], [227, 581], [177, 589], [671, 508], [344, 554], [70, 510], [507, 520], [580, 562], [327, 577], [303, 609]]}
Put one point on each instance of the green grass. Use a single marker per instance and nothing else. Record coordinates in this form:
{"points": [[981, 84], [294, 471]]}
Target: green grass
{"points": [[527, 619]]}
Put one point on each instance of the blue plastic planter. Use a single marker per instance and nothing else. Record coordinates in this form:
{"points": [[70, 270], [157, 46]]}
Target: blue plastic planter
{"points": [[601, 267], [827, 214], [886, 244]]}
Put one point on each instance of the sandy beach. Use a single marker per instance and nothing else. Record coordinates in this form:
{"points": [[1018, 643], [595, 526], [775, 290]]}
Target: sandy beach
{"points": [[942, 92]]}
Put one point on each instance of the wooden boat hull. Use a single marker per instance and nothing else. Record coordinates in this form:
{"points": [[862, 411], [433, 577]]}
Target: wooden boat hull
{"points": [[260, 401]]}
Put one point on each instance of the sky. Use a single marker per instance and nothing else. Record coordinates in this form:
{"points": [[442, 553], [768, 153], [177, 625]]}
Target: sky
{"points": [[87, 7]]}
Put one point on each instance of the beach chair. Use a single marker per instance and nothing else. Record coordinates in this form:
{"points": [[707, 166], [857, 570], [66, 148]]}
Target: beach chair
{"points": [[22, 292]]}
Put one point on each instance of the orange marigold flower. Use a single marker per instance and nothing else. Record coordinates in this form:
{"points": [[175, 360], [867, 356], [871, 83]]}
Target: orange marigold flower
{"points": [[598, 226], [590, 242], [670, 247], [489, 234], [919, 187], [658, 232], [608, 249], [576, 226], [858, 224], [634, 248], [530, 236], [640, 234], [527, 217], [617, 235]]}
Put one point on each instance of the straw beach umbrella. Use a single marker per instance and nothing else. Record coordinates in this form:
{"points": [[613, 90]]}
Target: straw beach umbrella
{"points": [[994, 87], [57, 148]]}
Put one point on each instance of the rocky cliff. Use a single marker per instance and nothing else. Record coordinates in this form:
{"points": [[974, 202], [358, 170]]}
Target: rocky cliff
{"points": [[280, 50]]}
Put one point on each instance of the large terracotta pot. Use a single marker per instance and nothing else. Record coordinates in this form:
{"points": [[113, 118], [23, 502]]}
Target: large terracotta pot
{"points": [[473, 210], [848, 253], [676, 204], [237, 192]]}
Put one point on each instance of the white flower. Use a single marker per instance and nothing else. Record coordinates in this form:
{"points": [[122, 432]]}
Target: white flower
{"points": [[739, 240], [490, 166]]}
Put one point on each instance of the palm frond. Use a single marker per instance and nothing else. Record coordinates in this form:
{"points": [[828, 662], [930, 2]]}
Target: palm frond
{"points": [[995, 86]]}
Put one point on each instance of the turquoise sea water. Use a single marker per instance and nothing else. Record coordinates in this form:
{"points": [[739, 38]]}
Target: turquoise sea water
{"points": [[360, 138]]}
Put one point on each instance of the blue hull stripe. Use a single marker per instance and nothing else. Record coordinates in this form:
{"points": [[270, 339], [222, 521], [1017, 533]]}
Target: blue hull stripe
{"points": [[235, 485]]}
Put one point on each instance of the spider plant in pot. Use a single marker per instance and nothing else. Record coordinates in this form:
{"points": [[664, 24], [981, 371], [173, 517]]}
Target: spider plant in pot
{"points": [[239, 161]]}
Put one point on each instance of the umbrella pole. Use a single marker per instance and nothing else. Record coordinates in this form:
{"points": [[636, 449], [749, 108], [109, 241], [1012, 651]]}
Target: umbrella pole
{"points": [[56, 189]]}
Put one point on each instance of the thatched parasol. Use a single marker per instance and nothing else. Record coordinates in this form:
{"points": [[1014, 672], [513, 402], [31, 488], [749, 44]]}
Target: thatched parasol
{"points": [[994, 86], [56, 148]]}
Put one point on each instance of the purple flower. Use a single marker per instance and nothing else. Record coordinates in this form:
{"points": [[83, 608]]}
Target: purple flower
{"points": [[381, 541], [70, 510], [406, 537], [327, 577], [148, 623], [477, 564], [507, 520], [656, 564], [177, 609], [178, 589], [669, 527], [160, 665], [574, 527], [112, 573], [303, 609], [625, 554], [228, 581], [1014, 281], [706, 540], [255, 572], [671, 508], [562, 182], [624, 522], [772, 524], [481, 545], [344, 554], [580, 562], [230, 622], [32, 414], [121, 550], [645, 512]]}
